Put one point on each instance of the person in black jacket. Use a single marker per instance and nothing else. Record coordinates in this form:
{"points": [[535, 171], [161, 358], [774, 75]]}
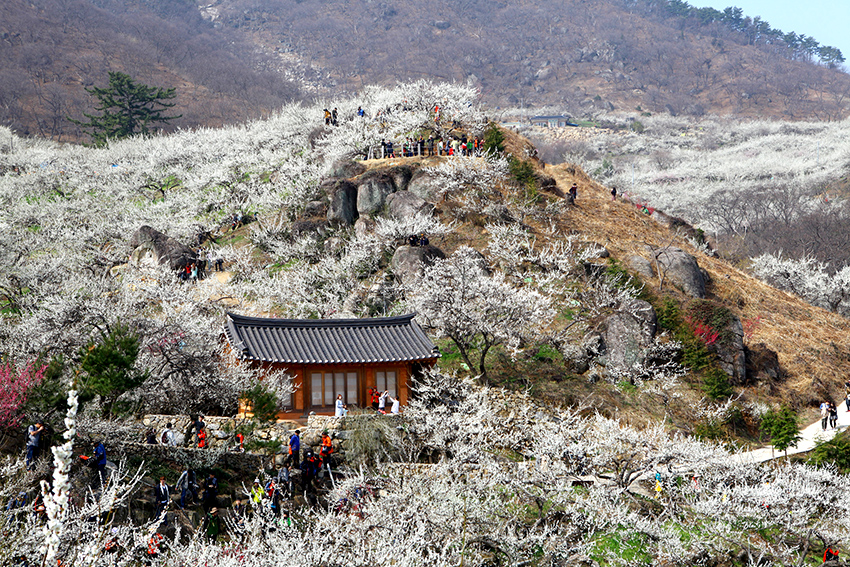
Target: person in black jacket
{"points": [[162, 496], [210, 492]]}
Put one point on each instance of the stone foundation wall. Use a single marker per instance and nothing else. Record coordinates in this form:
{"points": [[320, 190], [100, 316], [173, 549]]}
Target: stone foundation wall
{"points": [[220, 432]]}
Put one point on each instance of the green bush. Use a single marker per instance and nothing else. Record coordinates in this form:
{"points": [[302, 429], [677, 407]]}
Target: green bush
{"points": [[669, 315], [637, 126], [494, 140], [263, 402], [522, 172], [836, 452], [715, 384]]}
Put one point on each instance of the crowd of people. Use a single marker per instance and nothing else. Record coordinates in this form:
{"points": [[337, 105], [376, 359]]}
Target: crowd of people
{"points": [[427, 147]]}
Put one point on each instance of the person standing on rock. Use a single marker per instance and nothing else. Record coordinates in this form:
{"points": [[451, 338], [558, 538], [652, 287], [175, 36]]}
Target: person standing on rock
{"points": [[295, 449], [573, 194], [34, 443], [162, 496], [210, 492]]}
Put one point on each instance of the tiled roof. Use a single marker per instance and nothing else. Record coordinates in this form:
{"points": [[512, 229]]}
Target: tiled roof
{"points": [[329, 341]]}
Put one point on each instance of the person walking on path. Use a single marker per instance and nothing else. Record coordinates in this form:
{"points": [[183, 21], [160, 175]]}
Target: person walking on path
{"points": [[34, 443], [168, 437], [833, 415], [824, 415]]}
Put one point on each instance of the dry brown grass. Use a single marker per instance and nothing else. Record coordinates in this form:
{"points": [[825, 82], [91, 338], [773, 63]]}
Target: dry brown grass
{"points": [[813, 344]]}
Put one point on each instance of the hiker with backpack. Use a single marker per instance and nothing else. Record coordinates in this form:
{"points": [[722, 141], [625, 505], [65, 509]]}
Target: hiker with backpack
{"points": [[168, 437]]}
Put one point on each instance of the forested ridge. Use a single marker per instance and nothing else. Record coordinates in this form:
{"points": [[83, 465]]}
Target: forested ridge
{"points": [[237, 59]]}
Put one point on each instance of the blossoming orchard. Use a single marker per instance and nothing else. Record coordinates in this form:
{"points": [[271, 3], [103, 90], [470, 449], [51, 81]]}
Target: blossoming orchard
{"points": [[478, 469]]}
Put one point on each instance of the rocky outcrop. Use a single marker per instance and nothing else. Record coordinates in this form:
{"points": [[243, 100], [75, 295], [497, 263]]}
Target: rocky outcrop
{"points": [[401, 177], [347, 168], [343, 202], [402, 204], [731, 355], [151, 246], [640, 265], [409, 261], [372, 192], [623, 337], [682, 269], [426, 186]]}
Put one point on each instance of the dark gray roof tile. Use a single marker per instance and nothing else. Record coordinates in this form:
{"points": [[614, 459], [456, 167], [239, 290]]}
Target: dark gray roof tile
{"points": [[328, 341]]}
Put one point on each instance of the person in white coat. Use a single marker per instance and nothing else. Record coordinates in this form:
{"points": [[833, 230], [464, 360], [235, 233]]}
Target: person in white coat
{"points": [[341, 410], [396, 407]]}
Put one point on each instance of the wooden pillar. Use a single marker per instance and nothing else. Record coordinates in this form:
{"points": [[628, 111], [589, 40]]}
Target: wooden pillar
{"points": [[403, 376]]}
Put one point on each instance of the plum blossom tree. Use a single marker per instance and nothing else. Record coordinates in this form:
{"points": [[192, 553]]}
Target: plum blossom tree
{"points": [[15, 385], [812, 280], [476, 310]]}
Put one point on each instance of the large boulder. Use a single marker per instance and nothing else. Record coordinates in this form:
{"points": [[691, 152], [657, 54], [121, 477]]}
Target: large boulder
{"points": [[372, 192], [731, 355], [402, 204], [409, 261], [623, 337], [640, 265], [346, 168], [682, 269], [151, 246], [401, 177], [426, 186], [343, 202]]}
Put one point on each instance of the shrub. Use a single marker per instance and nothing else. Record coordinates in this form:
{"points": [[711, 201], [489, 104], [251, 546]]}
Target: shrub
{"points": [[262, 402], [522, 172], [836, 452], [494, 140], [715, 384]]}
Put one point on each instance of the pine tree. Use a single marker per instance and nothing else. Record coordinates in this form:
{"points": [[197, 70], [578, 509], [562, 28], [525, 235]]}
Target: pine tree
{"points": [[109, 367], [782, 427], [127, 107]]}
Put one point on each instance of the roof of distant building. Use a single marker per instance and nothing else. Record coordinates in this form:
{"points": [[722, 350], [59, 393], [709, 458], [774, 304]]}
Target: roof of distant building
{"points": [[329, 341]]}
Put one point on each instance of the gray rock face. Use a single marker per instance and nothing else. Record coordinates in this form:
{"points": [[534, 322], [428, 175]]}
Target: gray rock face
{"points": [[683, 270], [372, 191], [401, 177], [640, 265], [409, 261], [347, 168], [315, 209], [403, 204], [425, 186], [153, 246], [624, 336], [343, 203], [731, 354]]}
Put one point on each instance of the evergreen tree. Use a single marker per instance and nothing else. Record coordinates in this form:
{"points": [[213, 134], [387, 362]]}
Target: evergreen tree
{"points": [[782, 427], [109, 367], [127, 108]]}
